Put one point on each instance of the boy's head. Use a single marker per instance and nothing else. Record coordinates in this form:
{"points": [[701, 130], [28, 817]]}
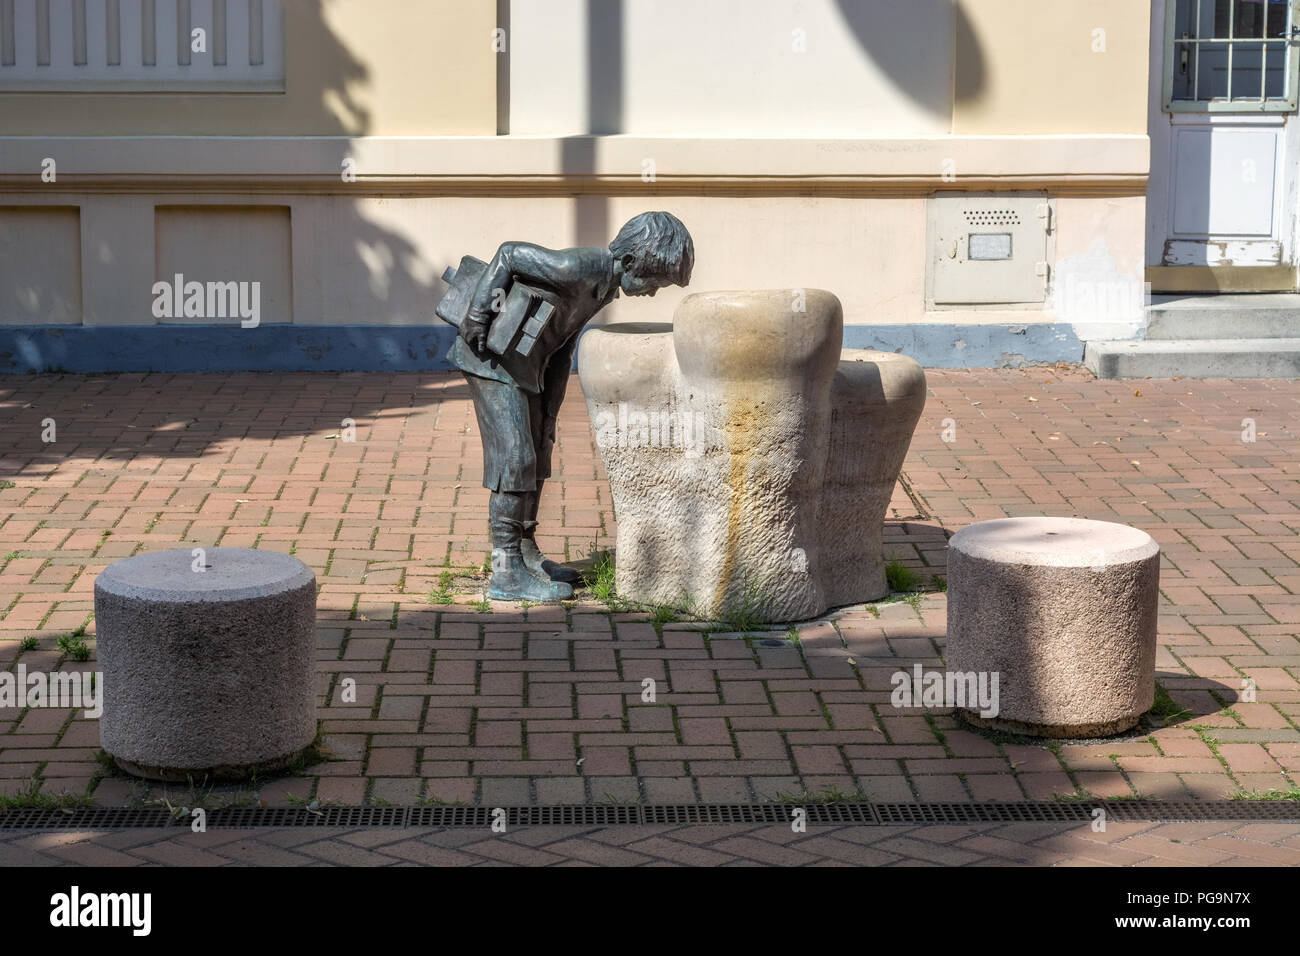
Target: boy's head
{"points": [[656, 251]]}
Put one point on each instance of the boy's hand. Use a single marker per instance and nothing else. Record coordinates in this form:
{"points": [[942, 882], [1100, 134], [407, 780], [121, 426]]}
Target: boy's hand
{"points": [[474, 332]]}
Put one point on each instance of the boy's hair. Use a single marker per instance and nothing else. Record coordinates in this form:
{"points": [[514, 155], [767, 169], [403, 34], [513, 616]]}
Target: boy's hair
{"points": [[658, 244]]}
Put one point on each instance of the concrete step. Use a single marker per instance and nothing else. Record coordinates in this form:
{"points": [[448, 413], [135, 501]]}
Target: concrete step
{"points": [[1195, 358], [1262, 316]]}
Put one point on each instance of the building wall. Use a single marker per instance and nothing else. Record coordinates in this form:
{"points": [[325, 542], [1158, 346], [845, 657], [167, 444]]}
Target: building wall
{"points": [[793, 170], [731, 68], [1048, 66], [353, 68]]}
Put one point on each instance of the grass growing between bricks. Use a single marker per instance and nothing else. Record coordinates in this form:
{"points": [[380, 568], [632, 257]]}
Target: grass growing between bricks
{"points": [[827, 794], [1291, 793], [1165, 710], [442, 594], [33, 797], [901, 578], [743, 615], [74, 645]]}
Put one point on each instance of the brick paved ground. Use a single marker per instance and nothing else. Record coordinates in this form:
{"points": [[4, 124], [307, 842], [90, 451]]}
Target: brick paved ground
{"points": [[513, 706], [1036, 844]]}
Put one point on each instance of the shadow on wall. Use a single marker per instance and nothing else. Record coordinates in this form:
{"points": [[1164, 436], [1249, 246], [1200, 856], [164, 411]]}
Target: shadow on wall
{"points": [[894, 34], [374, 274], [604, 109], [896, 43], [372, 279]]}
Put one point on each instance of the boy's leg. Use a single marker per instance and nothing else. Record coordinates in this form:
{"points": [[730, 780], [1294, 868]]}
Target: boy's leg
{"points": [[546, 409], [506, 422], [533, 557], [537, 562], [512, 580]]}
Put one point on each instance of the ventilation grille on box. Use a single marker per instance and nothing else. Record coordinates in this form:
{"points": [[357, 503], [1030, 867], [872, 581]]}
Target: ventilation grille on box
{"points": [[991, 217]]}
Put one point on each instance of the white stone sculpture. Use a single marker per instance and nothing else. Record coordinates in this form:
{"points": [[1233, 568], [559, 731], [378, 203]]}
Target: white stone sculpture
{"points": [[751, 461]]}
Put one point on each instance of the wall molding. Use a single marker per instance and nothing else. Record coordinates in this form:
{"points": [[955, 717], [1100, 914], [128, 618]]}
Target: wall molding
{"points": [[611, 165]]}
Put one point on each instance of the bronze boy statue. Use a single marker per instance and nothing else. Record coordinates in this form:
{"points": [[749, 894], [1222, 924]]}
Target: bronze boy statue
{"points": [[519, 317]]}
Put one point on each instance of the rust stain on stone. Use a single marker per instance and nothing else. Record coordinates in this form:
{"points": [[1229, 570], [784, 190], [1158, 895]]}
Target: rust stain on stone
{"points": [[739, 430]]}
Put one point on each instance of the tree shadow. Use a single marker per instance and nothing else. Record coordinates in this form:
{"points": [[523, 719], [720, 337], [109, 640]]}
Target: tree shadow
{"points": [[369, 304], [898, 34]]}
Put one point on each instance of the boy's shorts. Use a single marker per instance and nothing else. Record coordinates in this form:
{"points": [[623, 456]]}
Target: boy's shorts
{"points": [[517, 439]]}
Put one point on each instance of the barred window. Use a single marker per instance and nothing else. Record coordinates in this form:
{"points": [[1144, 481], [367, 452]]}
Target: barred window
{"points": [[116, 46], [1231, 55]]}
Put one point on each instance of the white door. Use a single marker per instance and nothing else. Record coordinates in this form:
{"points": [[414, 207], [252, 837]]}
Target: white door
{"points": [[1224, 141]]}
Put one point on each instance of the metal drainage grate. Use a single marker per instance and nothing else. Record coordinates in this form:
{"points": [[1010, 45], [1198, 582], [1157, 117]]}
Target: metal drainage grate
{"points": [[914, 813], [450, 817], [232, 818], [83, 818], [706, 814], [716, 814], [577, 815], [843, 814]]}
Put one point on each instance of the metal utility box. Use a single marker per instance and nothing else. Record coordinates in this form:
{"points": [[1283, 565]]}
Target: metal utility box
{"points": [[988, 249]]}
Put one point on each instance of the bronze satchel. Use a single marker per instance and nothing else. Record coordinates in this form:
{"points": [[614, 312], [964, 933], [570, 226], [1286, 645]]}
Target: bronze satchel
{"points": [[523, 320]]}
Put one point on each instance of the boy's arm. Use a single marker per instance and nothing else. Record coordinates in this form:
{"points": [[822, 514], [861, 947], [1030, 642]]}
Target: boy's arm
{"points": [[523, 262]]}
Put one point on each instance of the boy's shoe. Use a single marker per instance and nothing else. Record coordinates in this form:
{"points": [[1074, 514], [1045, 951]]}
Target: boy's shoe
{"points": [[540, 564], [513, 580]]}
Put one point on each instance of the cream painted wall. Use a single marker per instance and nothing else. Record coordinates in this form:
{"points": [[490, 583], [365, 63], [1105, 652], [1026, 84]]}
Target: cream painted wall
{"points": [[354, 67], [1099, 277], [731, 67], [1029, 66], [40, 265], [855, 135], [376, 261], [871, 69]]}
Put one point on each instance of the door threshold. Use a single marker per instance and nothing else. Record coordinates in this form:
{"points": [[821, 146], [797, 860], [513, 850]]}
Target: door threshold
{"points": [[1221, 278]]}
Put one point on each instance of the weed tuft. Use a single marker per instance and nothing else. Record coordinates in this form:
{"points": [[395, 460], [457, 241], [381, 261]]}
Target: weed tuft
{"points": [[442, 594], [74, 645], [1165, 709], [901, 578], [1291, 793]]}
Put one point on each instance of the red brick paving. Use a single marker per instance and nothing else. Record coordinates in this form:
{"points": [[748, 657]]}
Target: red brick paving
{"points": [[543, 704]]}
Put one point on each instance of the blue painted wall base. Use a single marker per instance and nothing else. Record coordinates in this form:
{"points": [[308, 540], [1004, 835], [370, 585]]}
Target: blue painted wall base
{"points": [[947, 345], [214, 348], [380, 348]]}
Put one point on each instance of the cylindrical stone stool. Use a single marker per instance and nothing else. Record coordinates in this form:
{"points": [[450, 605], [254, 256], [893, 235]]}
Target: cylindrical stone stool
{"points": [[208, 662], [1063, 611]]}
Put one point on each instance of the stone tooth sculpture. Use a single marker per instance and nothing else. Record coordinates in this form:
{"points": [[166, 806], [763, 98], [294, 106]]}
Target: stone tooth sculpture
{"points": [[876, 401], [751, 463]]}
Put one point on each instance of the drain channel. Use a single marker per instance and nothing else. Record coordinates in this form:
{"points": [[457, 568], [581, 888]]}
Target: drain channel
{"points": [[704, 814]]}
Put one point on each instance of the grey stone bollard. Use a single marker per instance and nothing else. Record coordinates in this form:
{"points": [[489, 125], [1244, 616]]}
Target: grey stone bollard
{"points": [[207, 673], [1063, 610]]}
